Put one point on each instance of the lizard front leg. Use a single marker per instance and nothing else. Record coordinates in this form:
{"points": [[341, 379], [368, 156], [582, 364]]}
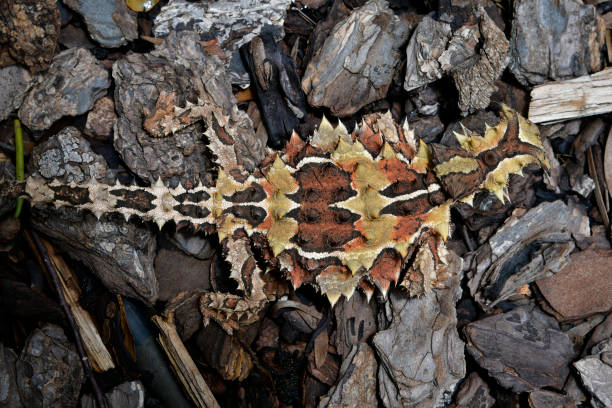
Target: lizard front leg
{"points": [[231, 310]]}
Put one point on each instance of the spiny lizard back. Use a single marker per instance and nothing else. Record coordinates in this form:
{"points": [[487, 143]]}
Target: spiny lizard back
{"points": [[340, 212]]}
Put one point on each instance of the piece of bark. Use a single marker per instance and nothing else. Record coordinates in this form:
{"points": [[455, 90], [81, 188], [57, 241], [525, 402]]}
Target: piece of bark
{"points": [[608, 163], [524, 249], [475, 78], [49, 370], [30, 29], [225, 353], [588, 136], [159, 129], [357, 384], [10, 228], [72, 36], [25, 302], [596, 171], [421, 353], [277, 87], [523, 349], [232, 23], [575, 391], [577, 332], [546, 399], [473, 393], [355, 321], [600, 333], [118, 252], [327, 371], [111, 23], [177, 272], [183, 365], [578, 181], [9, 392], [7, 172], [427, 44], [14, 84], [337, 12], [356, 63], [582, 288], [126, 395], [427, 128], [596, 373], [304, 318], [268, 335], [552, 41], [571, 99], [74, 81], [101, 119], [475, 55]]}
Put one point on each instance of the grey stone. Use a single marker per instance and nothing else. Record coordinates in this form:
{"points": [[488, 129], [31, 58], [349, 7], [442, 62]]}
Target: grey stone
{"points": [[356, 63], [74, 82], [596, 373], [232, 22], [49, 370], [9, 394], [110, 22], [426, 46], [14, 83], [523, 349], [554, 40]]}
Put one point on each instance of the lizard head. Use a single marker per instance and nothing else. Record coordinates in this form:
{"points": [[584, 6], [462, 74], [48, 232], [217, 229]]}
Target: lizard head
{"points": [[486, 162]]}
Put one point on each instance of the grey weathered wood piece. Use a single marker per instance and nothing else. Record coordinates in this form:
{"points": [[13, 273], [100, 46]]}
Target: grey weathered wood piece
{"points": [[587, 95]]}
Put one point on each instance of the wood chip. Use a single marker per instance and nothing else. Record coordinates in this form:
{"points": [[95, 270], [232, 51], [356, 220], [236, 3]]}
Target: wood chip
{"points": [[97, 352], [608, 162], [183, 365], [575, 98]]}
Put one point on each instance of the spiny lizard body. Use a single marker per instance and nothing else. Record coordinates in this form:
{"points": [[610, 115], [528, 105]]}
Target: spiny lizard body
{"points": [[343, 211]]}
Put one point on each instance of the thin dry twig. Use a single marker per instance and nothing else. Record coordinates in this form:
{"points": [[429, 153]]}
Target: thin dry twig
{"points": [[40, 247], [598, 193]]}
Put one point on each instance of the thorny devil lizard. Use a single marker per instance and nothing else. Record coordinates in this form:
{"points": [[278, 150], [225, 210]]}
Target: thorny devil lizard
{"points": [[341, 211]]}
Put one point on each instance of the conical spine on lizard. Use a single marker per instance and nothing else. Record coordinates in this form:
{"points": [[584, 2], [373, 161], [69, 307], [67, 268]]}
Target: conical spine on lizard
{"points": [[340, 212]]}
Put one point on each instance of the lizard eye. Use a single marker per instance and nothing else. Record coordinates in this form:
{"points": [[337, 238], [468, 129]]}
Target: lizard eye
{"points": [[490, 158]]}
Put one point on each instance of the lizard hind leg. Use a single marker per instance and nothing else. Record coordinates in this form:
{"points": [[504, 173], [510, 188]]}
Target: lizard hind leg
{"points": [[231, 310], [428, 269]]}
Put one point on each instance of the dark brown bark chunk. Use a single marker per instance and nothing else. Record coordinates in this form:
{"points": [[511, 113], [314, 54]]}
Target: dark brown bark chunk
{"points": [[30, 29], [582, 288]]}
